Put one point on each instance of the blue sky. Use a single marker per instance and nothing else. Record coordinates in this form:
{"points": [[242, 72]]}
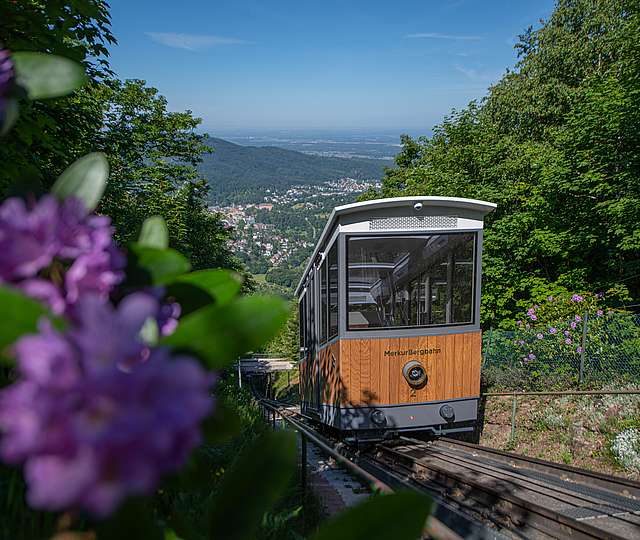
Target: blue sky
{"points": [[330, 64]]}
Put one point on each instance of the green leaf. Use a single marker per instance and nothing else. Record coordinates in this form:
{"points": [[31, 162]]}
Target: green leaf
{"points": [[46, 75], [23, 315], [153, 266], [223, 285], [401, 516], [190, 297], [219, 334], [85, 178], [254, 484], [134, 519], [222, 425], [170, 534], [154, 233]]}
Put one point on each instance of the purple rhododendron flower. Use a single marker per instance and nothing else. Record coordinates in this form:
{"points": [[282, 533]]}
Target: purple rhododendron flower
{"points": [[549, 298], [90, 422], [600, 295], [35, 237], [7, 81], [553, 330], [577, 298], [567, 333], [539, 335], [568, 341], [96, 272], [578, 318], [579, 349], [532, 356], [599, 313], [111, 336], [27, 238], [573, 324]]}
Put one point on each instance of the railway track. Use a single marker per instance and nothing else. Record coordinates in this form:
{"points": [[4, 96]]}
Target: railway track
{"points": [[504, 494], [528, 498]]}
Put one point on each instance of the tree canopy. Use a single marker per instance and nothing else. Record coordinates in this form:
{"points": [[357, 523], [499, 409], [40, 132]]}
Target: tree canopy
{"points": [[556, 145], [153, 153]]}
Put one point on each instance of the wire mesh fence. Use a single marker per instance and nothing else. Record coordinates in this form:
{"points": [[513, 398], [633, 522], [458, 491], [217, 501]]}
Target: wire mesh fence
{"points": [[591, 349]]}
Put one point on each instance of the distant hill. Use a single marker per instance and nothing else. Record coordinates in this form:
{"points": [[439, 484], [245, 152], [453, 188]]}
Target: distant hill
{"points": [[240, 173]]}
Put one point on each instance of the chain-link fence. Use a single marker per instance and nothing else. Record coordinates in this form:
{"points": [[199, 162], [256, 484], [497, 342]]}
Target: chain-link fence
{"points": [[589, 350]]}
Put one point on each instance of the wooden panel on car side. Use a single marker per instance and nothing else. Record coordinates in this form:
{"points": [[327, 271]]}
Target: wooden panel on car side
{"points": [[369, 371]]}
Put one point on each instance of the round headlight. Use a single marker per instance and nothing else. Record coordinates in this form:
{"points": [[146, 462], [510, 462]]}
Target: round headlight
{"points": [[415, 374]]}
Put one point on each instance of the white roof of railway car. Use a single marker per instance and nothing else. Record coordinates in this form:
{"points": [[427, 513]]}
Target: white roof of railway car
{"points": [[393, 202]]}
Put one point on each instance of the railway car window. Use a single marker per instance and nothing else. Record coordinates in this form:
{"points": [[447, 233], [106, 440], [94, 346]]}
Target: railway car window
{"points": [[332, 262], [404, 281], [324, 311]]}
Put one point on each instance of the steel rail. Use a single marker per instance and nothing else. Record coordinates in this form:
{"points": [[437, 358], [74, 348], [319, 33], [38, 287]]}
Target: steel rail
{"points": [[434, 527]]}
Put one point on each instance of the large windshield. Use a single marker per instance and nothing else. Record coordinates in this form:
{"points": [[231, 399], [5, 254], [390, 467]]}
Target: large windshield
{"points": [[404, 281]]}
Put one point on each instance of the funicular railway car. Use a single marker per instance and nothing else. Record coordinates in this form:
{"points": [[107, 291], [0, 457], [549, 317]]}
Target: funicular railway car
{"points": [[389, 309]]}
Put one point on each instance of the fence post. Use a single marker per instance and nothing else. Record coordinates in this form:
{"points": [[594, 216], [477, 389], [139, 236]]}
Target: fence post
{"points": [[513, 417], [486, 351], [239, 374], [585, 324]]}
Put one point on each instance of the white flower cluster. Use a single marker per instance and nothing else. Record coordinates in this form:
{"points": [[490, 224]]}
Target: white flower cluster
{"points": [[626, 449]]}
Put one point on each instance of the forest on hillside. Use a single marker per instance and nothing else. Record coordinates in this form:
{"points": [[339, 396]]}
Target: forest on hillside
{"points": [[556, 144], [240, 174]]}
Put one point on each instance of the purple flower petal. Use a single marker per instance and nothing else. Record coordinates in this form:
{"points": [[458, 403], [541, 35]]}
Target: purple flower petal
{"points": [[89, 433], [45, 292], [50, 236], [27, 238]]}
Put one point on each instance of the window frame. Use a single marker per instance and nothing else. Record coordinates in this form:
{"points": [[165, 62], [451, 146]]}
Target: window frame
{"points": [[323, 306], [445, 327], [335, 247]]}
